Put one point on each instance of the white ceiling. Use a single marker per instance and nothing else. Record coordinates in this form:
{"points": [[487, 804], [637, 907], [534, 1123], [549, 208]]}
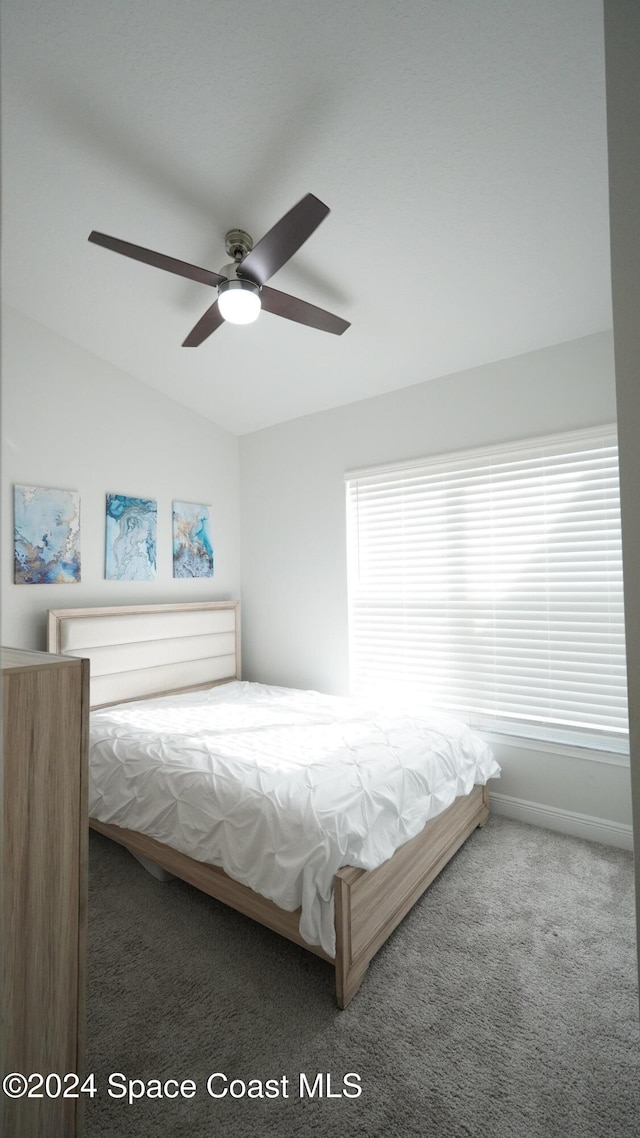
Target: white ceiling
{"points": [[460, 144]]}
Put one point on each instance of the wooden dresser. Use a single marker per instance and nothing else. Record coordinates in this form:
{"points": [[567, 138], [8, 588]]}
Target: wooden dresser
{"points": [[44, 848]]}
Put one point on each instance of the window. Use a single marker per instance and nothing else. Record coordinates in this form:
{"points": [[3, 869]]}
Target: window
{"points": [[490, 584]]}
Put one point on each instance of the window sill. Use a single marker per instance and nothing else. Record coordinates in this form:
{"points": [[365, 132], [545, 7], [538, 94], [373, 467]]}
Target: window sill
{"points": [[567, 749]]}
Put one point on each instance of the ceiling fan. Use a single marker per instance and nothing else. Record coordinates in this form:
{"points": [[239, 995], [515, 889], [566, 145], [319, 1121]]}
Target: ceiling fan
{"points": [[241, 285]]}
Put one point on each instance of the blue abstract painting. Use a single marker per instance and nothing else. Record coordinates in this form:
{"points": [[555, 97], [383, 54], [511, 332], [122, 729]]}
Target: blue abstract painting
{"points": [[46, 536], [132, 526], [192, 548]]}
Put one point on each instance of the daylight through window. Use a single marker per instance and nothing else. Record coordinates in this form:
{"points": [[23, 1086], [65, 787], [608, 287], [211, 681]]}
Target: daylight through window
{"points": [[490, 584]]}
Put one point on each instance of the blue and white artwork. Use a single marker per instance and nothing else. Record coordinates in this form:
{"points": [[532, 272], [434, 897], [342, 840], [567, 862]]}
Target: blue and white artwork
{"points": [[192, 548], [46, 536], [132, 527]]}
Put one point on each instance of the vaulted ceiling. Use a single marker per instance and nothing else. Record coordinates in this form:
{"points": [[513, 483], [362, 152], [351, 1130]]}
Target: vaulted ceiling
{"points": [[460, 145]]}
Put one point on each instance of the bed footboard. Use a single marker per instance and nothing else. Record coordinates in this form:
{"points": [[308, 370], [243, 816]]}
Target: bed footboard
{"points": [[369, 904]]}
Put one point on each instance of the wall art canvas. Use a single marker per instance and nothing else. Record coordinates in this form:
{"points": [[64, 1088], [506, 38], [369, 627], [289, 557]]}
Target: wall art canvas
{"points": [[131, 546], [46, 536], [192, 548]]}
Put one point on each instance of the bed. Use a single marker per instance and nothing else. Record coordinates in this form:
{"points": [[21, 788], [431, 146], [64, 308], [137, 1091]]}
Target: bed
{"points": [[182, 662]]}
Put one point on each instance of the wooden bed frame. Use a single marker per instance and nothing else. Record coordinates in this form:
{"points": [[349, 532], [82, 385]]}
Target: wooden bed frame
{"points": [[139, 651]]}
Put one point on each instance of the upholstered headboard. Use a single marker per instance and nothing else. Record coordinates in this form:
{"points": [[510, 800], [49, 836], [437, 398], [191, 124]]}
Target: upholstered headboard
{"points": [[145, 650]]}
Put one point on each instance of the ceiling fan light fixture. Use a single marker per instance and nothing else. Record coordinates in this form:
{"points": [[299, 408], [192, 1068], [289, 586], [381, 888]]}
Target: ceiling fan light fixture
{"points": [[239, 301]]}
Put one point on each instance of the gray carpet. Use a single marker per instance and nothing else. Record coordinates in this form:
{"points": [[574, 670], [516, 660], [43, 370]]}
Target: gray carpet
{"points": [[505, 1004]]}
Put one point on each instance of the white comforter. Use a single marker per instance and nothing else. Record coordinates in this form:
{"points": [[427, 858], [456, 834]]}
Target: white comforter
{"points": [[279, 787]]}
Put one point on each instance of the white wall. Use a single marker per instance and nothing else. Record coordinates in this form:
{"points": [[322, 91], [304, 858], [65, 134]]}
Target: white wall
{"points": [[293, 532], [622, 54], [74, 422]]}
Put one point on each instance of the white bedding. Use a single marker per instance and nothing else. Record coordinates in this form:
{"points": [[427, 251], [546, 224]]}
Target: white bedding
{"points": [[279, 787]]}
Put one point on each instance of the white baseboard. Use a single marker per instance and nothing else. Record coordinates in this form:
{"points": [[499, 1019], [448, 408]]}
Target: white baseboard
{"points": [[565, 821]]}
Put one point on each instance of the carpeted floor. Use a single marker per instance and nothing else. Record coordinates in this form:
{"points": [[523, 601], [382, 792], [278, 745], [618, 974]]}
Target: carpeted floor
{"points": [[505, 1005]]}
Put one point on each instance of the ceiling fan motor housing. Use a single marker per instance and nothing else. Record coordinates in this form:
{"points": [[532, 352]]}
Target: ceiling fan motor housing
{"points": [[230, 272]]}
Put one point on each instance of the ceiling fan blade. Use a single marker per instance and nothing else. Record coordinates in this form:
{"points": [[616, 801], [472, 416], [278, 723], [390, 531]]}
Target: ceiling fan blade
{"points": [[281, 304], [158, 260], [283, 240], [207, 324]]}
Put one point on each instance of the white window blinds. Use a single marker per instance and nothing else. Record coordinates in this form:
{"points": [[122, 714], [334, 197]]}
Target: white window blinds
{"points": [[490, 584]]}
